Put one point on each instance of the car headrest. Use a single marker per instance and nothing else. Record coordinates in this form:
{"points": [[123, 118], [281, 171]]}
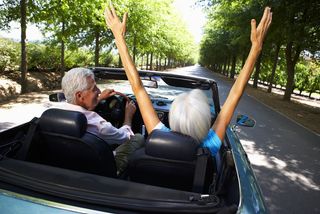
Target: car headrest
{"points": [[65, 122], [171, 145]]}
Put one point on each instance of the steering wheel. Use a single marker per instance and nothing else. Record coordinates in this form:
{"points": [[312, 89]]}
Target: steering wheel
{"points": [[113, 109]]}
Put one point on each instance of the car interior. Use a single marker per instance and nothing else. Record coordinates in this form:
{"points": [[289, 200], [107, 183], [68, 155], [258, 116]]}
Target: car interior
{"points": [[171, 168]]}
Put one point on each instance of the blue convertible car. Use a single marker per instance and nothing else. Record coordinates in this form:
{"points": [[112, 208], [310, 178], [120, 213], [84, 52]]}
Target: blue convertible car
{"points": [[52, 165]]}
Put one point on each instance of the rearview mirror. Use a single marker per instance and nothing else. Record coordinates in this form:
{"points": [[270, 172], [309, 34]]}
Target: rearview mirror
{"points": [[149, 83], [244, 120]]}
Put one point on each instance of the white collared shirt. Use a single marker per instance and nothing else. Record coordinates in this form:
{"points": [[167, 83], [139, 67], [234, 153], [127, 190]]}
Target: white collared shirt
{"points": [[99, 126]]}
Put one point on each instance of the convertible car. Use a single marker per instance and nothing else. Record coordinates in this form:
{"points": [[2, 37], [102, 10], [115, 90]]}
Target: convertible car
{"points": [[52, 164]]}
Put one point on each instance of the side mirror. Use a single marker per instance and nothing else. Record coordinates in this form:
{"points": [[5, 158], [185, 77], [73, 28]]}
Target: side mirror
{"points": [[57, 97], [244, 120]]}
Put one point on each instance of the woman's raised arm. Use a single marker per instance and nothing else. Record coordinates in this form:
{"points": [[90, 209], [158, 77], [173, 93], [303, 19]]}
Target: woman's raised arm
{"points": [[118, 29], [257, 37]]}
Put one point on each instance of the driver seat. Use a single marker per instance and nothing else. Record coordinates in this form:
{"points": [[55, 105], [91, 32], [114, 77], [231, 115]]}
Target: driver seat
{"points": [[61, 140]]}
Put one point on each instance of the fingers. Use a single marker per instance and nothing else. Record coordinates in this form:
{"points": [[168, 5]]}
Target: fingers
{"points": [[131, 105], [253, 26], [125, 16], [113, 11], [266, 21], [266, 18], [113, 22], [124, 20], [107, 15], [270, 19], [253, 30], [131, 102]]}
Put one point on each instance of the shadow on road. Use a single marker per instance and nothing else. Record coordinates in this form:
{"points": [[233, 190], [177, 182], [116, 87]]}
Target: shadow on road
{"points": [[285, 171]]}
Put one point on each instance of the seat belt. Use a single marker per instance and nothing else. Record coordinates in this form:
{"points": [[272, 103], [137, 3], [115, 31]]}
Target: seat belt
{"points": [[24, 151], [199, 178]]}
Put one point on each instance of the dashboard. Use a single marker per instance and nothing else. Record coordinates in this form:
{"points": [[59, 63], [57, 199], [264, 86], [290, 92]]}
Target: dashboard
{"points": [[162, 108], [161, 105]]}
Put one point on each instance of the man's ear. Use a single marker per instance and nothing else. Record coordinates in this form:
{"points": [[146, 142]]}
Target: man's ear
{"points": [[78, 96]]}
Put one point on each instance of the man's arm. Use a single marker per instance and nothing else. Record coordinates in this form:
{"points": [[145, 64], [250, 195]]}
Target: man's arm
{"points": [[257, 37]]}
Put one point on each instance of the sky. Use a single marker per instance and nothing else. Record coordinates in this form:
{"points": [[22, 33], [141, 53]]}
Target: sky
{"points": [[193, 16]]}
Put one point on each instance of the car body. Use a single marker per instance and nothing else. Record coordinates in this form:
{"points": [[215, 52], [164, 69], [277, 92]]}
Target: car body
{"points": [[32, 185]]}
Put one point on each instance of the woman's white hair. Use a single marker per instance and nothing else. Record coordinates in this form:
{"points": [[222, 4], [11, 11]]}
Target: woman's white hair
{"points": [[75, 80], [190, 114]]}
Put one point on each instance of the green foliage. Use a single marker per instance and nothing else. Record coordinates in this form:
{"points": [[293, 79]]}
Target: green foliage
{"points": [[79, 58], [301, 77], [42, 58], [308, 76], [9, 55], [295, 26], [107, 59]]}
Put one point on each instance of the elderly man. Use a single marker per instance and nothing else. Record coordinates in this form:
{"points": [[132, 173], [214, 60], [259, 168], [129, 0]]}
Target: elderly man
{"points": [[83, 95]]}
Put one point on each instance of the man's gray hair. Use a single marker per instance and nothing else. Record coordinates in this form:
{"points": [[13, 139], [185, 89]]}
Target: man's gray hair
{"points": [[190, 114], [75, 80]]}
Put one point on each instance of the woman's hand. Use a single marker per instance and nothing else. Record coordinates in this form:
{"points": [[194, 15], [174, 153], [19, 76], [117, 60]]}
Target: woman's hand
{"points": [[113, 22], [258, 33]]}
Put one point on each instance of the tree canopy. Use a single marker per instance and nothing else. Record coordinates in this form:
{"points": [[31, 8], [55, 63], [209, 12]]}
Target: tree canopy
{"points": [[295, 28], [155, 31]]}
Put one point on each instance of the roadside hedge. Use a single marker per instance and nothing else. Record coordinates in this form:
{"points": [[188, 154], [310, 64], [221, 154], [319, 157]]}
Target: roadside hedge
{"points": [[42, 57]]}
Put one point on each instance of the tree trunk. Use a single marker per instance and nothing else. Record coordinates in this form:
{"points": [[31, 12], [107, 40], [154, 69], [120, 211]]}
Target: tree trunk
{"points": [[244, 57], [151, 57], [62, 51], [119, 61], [226, 72], [147, 63], [97, 48], [275, 62], [23, 11], [257, 71], [291, 63], [157, 64], [141, 64], [224, 67], [233, 67], [134, 49]]}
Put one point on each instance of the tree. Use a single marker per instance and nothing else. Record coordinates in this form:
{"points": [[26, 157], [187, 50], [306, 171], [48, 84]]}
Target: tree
{"points": [[295, 27], [14, 10], [63, 19], [301, 32], [92, 32]]}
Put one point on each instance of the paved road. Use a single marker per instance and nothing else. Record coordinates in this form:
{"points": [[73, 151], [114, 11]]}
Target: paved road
{"points": [[284, 155]]}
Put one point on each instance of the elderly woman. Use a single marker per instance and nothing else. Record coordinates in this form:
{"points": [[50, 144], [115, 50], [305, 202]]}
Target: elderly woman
{"points": [[193, 103]]}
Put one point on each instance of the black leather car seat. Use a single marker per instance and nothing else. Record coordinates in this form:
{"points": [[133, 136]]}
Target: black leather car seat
{"points": [[172, 160], [61, 140]]}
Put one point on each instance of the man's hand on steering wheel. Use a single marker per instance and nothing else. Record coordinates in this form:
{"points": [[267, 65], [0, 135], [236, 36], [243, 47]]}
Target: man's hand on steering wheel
{"points": [[129, 112], [105, 94]]}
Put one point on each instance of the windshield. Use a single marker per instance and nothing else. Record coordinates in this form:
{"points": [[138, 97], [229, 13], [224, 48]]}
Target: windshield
{"points": [[163, 91]]}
